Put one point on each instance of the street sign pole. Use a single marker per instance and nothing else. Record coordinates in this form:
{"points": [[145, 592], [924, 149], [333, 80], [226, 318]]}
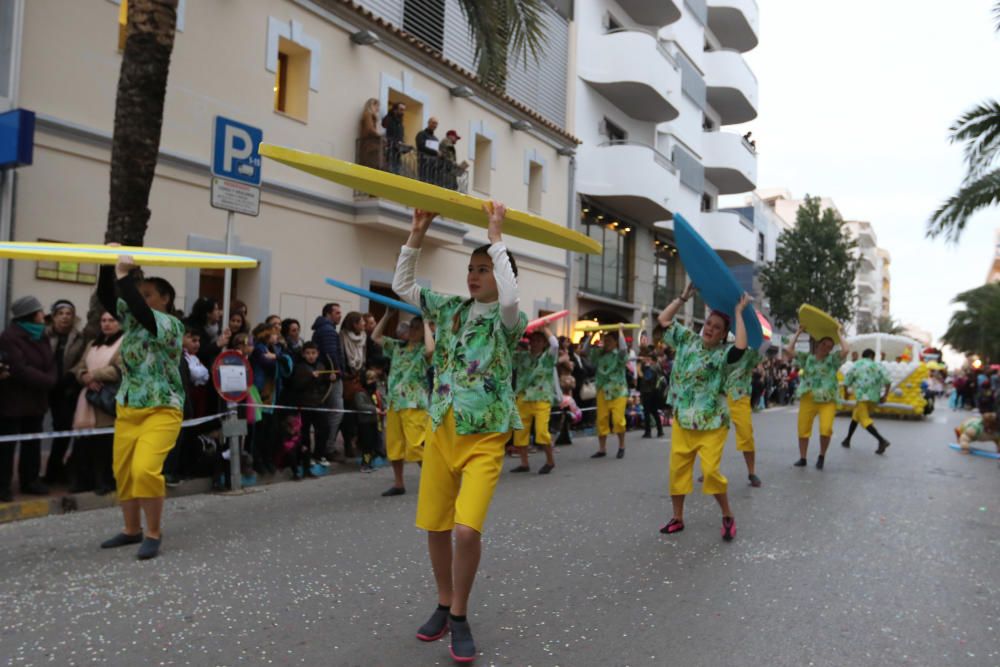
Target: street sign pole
{"points": [[236, 481]]}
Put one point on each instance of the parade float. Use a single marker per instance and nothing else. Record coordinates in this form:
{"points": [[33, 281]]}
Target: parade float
{"points": [[902, 358]]}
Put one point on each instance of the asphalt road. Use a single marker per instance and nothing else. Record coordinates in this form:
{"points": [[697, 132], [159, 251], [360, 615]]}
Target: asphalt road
{"points": [[873, 561]]}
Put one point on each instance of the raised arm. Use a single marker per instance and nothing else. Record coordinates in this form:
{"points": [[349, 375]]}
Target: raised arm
{"points": [[666, 318], [789, 352], [503, 272], [106, 291], [553, 343], [404, 282], [845, 351], [738, 349], [622, 345], [129, 293], [380, 327]]}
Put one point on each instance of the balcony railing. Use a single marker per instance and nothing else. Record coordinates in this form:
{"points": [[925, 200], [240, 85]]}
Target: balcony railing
{"points": [[661, 45], [658, 157], [405, 160]]}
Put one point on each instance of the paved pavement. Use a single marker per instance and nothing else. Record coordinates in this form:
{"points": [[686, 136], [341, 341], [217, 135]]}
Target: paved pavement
{"points": [[873, 561]]}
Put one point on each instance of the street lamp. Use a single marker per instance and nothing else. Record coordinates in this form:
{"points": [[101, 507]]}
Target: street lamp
{"points": [[365, 38]]}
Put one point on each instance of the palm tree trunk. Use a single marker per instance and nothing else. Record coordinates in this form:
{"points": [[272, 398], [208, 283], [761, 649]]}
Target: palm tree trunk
{"points": [[142, 87]]}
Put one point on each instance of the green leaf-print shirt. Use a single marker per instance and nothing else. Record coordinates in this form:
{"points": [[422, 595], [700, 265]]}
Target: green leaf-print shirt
{"points": [[407, 375], [151, 374], [739, 381], [610, 372], [472, 368], [867, 377], [697, 380], [534, 376], [818, 377]]}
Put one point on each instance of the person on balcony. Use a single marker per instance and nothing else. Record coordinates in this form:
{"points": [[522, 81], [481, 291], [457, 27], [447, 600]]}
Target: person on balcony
{"points": [[450, 167], [370, 139], [393, 124], [429, 153]]}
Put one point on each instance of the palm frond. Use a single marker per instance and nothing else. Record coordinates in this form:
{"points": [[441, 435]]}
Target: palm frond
{"points": [[979, 127], [500, 28], [950, 219], [996, 15]]}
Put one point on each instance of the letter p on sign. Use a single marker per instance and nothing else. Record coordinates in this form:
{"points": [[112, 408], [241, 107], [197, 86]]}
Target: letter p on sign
{"points": [[235, 151]]}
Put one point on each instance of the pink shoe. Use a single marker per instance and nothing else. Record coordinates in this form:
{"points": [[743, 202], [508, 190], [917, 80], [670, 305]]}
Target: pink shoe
{"points": [[728, 528], [673, 526]]}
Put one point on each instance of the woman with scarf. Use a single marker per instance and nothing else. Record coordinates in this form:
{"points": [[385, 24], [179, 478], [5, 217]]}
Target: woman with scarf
{"points": [[355, 343], [99, 373]]}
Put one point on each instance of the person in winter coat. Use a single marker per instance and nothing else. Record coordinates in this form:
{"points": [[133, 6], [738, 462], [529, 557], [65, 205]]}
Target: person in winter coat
{"points": [[327, 339], [99, 370], [311, 383], [66, 340], [24, 396]]}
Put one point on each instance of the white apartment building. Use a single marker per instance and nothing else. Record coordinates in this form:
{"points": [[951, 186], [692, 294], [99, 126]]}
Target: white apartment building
{"points": [[768, 226], [655, 85], [301, 70]]}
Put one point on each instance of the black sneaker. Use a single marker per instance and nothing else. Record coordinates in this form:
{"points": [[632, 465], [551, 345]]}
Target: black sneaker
{"points": [[436, 626], [819, 462], [598, 455], [393, 491], [35, 488], [546, 469], [882, 446], [521, 469], [801, 463], [846, 443], [172, 481], [755, 481], [647, 434], [121, 540], [621, 453], [463, 648], [149, 548]]}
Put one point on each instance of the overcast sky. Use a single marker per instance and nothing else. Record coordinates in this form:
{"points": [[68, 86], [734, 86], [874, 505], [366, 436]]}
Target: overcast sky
{"points": [[856, 97]]}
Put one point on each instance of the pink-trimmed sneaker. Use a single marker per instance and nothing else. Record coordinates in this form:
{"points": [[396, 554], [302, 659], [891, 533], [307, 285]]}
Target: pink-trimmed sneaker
{"points": [[673, 526], [435, 628], [728, 528]]}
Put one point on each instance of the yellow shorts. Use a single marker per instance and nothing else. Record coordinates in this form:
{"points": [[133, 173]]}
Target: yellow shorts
{"points": [[405, 432], [740, 413], [458, 477], [537, 412], [862, 413], [808, 409], [615, 408], [685, 445], [143, 438]]}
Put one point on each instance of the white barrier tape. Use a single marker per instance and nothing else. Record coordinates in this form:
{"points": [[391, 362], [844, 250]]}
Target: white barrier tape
{"points": [[86, 432]]}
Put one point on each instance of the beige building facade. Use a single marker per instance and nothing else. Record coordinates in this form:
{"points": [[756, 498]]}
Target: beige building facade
{"points": [[324, 59]]}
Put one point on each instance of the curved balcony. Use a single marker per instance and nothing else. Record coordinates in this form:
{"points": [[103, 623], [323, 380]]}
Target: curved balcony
{"points": [[634, 179], [867, 263], [730, 162], [652, 12], [735, 23], [635, 73], [732, 87], [866, 237], [730, 234], [866, 286]]}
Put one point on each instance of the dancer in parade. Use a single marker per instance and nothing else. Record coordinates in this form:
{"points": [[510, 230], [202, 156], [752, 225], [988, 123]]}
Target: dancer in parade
{"points": [[150, 398], [870, 383], [535, 390], [738, 390], [817, 391], [407, 421], [701, 416], [472, 413], [612, 388], [982, 428]]}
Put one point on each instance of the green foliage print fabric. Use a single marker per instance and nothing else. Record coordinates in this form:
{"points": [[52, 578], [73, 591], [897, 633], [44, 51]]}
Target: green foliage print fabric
{"points": [[867, 378], [407, 375], [697, 380], [739, 380], [151, 374], [610, 372], [818, 377], [473, 366], [534, 376]]}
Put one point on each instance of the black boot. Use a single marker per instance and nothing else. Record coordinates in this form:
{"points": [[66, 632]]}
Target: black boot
{"points": [[850, 433], [883, 444]]}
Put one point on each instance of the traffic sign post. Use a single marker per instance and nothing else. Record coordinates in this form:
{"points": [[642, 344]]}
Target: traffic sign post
{"points": [[232, 377], [236, 189]]}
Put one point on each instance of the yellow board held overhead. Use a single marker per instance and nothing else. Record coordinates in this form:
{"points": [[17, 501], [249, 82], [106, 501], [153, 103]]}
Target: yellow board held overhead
{"points": [[417, 194], [818, 323], [105, 254], [587, 327]]}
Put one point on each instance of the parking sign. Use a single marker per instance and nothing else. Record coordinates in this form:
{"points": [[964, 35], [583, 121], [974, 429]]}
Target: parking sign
{"points": [[234, 152]]}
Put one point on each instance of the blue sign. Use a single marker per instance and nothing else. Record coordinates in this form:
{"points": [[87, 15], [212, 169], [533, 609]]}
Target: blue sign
{"points": [[235, 153], [17, 138]]}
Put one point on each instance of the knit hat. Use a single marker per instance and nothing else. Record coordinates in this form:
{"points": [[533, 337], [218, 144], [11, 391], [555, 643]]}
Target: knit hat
{"points": [[63, 303], [26, 305]]}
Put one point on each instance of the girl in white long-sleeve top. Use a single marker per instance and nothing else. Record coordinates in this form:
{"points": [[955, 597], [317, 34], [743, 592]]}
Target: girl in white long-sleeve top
{"points": [[472, 414]]}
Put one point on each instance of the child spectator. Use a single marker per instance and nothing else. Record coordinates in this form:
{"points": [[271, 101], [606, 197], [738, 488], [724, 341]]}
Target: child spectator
{"points": [[309, 387], [371, 410]]}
